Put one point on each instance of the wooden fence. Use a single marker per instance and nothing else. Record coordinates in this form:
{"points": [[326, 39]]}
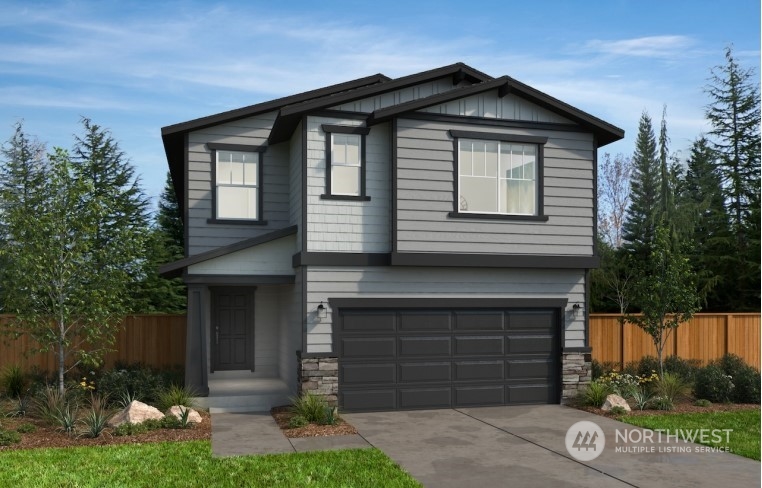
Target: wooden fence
{"points": [[155, 340], [707, 336]]}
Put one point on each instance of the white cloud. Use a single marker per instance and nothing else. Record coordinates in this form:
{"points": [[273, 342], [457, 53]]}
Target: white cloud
{"points": [[666, 46]]}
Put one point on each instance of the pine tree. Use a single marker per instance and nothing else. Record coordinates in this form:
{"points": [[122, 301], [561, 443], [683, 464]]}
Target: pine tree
{"points": [[98, 158], [156, 293], [702, 196], [734, 113], [646, 207]]}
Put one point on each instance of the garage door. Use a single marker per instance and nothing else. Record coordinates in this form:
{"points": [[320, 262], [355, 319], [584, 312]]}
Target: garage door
{"points": [[442, 358]]}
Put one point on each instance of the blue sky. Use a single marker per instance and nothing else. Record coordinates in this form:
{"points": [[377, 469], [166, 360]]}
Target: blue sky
{"points": [[135, 67]]}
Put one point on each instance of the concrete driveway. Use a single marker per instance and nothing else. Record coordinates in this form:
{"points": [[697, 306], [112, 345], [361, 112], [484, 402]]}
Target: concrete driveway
{"points": [[524, 446]]}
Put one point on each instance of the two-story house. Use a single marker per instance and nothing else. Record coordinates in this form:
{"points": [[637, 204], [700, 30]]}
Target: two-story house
{"points": [[417, 242]]}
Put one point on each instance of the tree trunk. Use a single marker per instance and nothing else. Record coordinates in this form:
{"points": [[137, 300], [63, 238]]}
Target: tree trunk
{"points": [[61, 357]]}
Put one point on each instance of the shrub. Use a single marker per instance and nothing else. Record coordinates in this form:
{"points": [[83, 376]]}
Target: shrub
{"points": [[744, 377], [643, 368], [685, 368], [297, 421], [702, 402], [662, 403], [141, 382], [26, 428], [311, 407], [623, 384], [175, 395], [96, 419], [672, 387], [48, 402], [641, 398], [713, 384], [330, 416], [617, 411], [8, 437], [129, 429], [14, 381], [20, 407], [595, 394], [746, 384], [598, 369]]}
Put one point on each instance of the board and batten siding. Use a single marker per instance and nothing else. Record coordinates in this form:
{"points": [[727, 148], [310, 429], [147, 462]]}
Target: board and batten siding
{"points": [[425, 193], [204, 236], [490, 105], [348, 226], [324, 283], [402, 95], [269, 258]]}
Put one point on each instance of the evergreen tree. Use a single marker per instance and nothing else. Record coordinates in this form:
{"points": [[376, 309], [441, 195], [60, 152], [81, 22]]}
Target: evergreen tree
{"points": [[702, 196], [98, 158], [646, 208], [734, 113], [156, 293], [21, 173]]}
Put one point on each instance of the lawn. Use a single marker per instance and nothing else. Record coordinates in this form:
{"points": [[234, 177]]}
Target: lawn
{"points": [[191, 464], [744, 440]]}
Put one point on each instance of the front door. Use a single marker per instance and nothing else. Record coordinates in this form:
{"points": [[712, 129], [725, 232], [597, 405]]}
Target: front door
{"points": [[232, 328]]}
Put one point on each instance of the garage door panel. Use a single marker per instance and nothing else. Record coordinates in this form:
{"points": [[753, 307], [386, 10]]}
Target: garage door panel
{"points": [[426, 397], [486, 395], [479, 370], [368, 322], [425, 372], [530, 319], [442, 358], [380, 399], [479, 346], [479, 321], [425, 346], [374, 347], [357, 374], [529, 344], [530, 394], [424, 321], [537, 368]]}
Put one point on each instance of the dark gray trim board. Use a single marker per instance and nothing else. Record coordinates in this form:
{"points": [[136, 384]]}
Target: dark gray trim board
{"points": [[214, 147], [339, 259], [339, 303], [494, 260], [576, 350], [496, 136], [196, 368], [238, 280], [343, 129], [471, 215], [222, 251]]}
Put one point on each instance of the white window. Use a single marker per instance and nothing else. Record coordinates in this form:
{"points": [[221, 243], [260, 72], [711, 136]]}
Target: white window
{"points": [[497, 177], [237, 185], [346, 164]]}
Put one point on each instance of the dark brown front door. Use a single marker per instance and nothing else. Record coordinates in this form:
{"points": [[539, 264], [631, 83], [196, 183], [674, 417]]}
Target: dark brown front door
{"points": [[232, 328]]}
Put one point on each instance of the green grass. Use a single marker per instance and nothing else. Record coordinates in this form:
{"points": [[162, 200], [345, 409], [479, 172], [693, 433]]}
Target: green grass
{"points": [[744, 440], [184, 464]]}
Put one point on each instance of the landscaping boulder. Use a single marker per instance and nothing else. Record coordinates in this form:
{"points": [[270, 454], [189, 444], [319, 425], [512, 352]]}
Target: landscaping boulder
{"points": [[177, 411], [136, 412], [615, 401]]}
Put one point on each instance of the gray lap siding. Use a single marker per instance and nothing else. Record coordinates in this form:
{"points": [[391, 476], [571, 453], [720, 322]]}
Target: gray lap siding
{"points": [[325, 283], [426, 167]]}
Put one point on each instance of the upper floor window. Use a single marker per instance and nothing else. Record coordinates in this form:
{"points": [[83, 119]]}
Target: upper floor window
{"points": [[497, 177], [345, 162], [238, 182]]}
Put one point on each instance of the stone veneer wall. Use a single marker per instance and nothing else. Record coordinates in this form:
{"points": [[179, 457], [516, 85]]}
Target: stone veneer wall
{"points": [[319, 376], [576, 373]]}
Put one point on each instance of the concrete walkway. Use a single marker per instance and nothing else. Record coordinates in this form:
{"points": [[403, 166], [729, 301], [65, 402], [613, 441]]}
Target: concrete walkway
{"points": [[243, 434]]}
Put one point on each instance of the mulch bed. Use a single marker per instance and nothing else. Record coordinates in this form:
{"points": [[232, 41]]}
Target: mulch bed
{"points": [[283, 414], [47, 436], [682, 407]]}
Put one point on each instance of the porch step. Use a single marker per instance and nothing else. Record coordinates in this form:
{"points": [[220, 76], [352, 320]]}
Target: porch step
{"points": [[244, 393]]}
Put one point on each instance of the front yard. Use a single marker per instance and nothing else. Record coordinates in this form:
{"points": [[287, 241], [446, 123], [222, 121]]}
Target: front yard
{"points": [[190, 464]]}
